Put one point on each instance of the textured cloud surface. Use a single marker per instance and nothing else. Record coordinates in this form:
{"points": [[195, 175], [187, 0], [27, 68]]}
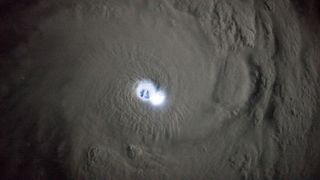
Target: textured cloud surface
{"points": [[241, 83]]}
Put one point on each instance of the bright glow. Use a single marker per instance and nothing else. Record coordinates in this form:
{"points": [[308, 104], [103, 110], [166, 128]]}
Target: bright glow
{"points": [[158, 98], [148, 92]]}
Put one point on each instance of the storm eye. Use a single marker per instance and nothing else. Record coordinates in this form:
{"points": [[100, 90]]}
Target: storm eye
{"points": [[148, 92]]}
